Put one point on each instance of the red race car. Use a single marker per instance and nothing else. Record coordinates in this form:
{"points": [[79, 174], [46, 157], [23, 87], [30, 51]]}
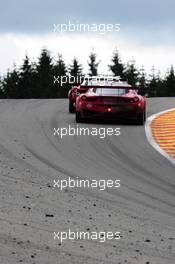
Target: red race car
{"points": [[84, 86], [114, 100]]}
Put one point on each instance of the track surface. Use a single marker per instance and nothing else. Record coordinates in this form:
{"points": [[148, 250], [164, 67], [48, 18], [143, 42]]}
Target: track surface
{"points": [[143, 209]]}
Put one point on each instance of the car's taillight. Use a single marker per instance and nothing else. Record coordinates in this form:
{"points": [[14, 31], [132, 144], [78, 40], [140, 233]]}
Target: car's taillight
{"points": [[83, 98], [74, 90], [135, 99]]}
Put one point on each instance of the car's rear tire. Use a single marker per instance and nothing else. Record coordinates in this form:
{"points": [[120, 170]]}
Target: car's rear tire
{"points": [[141, 118], [71, 107], [78, 117]]}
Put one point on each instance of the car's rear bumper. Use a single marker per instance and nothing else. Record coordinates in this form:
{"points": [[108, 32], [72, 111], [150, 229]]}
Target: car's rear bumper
{"points": [[112, 113]]}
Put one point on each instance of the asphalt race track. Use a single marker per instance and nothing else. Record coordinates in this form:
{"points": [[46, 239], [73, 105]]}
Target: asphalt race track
{"points": [[31, 157]]}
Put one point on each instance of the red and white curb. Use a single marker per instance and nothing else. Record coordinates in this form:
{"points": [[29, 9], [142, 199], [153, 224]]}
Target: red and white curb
{"points": [[151, 138]]}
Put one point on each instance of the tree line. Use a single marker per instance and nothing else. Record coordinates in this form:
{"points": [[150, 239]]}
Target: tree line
{"points": [[36, 79]]}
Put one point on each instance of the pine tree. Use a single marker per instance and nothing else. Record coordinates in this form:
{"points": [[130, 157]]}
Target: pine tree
{"points": [[1, 89], [160, 89], [75, 70], [152, 88], [28, 81], [60, 71], [131, 73], [93, 65], [44, 75], [170, 83], [11, 84], [142, 82], [117, 67]]}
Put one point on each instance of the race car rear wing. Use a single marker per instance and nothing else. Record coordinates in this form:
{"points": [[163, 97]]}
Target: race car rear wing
{"points": [[128, 87], [104, 81]]}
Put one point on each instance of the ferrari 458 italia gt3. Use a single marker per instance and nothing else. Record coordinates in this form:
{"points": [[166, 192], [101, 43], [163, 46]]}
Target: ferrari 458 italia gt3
{"points": [[115, 100], [84, 86]]}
